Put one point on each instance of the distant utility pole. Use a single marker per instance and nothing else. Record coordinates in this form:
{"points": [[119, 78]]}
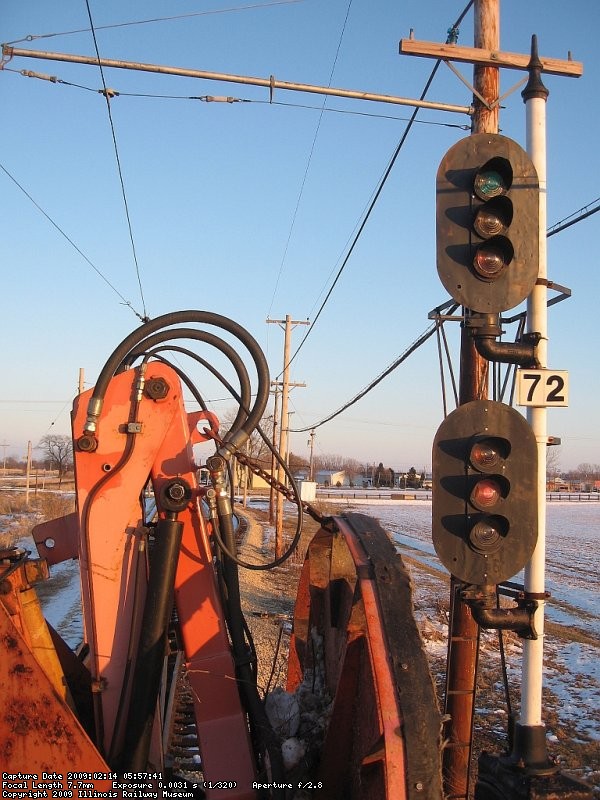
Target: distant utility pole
{"points": [[289, 423], [276, 393], [4, 445], [311, 444], [28, 474], [80, 387], [287, 324]]}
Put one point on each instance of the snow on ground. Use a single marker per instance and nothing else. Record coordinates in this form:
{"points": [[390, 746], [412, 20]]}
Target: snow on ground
{"points": [[572, 640], [572, 644]]}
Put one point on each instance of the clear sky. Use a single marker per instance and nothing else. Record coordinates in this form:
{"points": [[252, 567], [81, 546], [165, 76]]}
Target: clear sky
{"points": [[247, 208]]}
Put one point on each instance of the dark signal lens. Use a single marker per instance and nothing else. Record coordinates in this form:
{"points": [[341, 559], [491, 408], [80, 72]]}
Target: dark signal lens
{"points": [[489, 262], [486, 535], [487, 223], [488, 453], [485, 455], [493, 218]]}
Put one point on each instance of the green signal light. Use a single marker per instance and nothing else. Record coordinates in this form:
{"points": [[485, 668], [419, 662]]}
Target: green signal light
{"points": [[494, 179], [489, 184]]}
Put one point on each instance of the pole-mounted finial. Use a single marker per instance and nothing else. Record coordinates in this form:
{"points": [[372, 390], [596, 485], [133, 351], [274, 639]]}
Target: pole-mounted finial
{"points": [[535, 87]]}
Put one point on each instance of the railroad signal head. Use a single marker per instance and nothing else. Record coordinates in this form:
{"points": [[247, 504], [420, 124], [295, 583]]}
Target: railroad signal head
{"points": [[484, 492], [487, 222]]}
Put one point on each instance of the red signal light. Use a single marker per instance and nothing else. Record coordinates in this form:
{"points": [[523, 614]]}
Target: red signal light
{"points": [[486, 493]]}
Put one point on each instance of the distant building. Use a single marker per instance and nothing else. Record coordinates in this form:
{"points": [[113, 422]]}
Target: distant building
{"points": [[302, 474], [557, 484], [331, 477]]}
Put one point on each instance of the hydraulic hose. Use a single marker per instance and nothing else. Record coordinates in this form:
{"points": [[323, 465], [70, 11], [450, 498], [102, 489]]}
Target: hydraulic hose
{"points": [[245, 395], [183, 377], [167, 320]]}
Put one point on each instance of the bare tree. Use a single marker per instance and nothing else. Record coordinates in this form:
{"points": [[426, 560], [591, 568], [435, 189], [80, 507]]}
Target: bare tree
{"points": [[330, 461], [585, 472], [297, 462], [58, 451], [552, 461]]}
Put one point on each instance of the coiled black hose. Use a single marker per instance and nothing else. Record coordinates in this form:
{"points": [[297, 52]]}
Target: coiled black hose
{"points": [[120, 354], [245, 395]]}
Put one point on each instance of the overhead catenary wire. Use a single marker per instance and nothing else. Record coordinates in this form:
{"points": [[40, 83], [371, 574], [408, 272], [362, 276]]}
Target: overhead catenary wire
{"points": [[308, 163], [251, 7], [572, 219], [228, 99], [452, 35], [118, 160], [71, 242], [409, 350]]}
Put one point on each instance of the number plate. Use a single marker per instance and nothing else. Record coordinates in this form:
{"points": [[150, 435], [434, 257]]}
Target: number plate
{"points": [[542, 387]]}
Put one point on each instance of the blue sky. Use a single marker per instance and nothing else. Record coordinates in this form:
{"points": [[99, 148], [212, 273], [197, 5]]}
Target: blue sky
{"points": [[231, 213]]}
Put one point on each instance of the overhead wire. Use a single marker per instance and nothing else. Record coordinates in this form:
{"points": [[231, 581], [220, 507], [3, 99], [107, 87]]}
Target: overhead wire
{"points": [[118, 160], [253, 6], [567, 222], [396, 363], [452, 33], [71, 242], [308, 163], [462, 127], [233, 100]]}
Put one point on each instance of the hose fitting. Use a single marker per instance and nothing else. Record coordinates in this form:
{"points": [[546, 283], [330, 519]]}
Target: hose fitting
{"points": [[93, 412]]}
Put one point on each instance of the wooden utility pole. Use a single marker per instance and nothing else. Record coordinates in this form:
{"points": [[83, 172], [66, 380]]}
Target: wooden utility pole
{"points": [[28, 474], [288, 323], [463, 640], [4, 445], [276, 392], [311, 443], [463, 631]]}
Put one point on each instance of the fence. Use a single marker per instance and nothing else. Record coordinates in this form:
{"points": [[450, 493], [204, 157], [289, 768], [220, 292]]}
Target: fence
{"points": [[575, 497], [341, 494]]}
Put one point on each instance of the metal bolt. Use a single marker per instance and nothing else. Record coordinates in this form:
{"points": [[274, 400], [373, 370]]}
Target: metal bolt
{"points": [[87, 443], [156, 388], [176, 491]]}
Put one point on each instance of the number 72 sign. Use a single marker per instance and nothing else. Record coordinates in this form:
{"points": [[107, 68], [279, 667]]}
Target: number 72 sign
{"points": [[542, 387]]}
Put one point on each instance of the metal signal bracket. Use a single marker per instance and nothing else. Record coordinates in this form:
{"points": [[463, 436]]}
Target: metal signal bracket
{"points": [[483, 604]]}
